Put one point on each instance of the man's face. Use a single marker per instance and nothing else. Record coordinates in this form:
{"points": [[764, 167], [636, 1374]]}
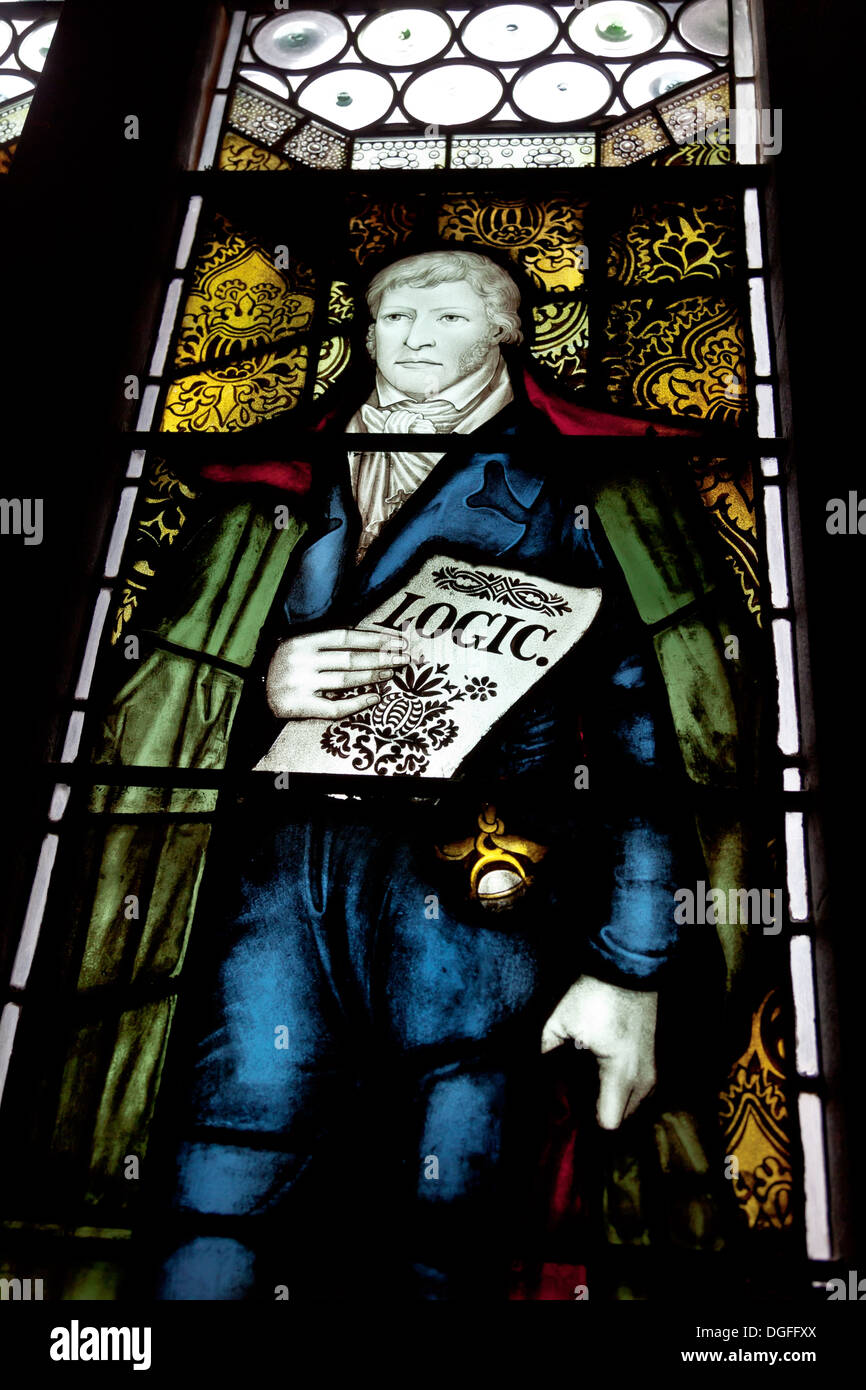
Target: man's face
{"points": [[428, 339]]}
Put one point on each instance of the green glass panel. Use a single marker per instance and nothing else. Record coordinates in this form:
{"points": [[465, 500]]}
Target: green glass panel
{"points": [[663, 569], [230, 576], [128, 1093], [142, 801], [701, 700], [98, 1282], [145, 899], [174, 711]]}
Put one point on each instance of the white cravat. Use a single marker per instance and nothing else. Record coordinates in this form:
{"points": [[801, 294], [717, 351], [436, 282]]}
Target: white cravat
{"points": [[382, 482]]}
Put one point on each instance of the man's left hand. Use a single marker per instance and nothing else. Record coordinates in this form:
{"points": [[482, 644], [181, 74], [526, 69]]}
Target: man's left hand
{"points": [[618, 1026]]}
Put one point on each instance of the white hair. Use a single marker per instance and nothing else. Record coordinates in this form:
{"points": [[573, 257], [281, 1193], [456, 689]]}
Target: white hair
{"points": [[489, 281]]}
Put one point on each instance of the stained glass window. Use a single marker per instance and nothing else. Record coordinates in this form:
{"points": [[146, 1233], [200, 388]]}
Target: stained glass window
{"points": [[644, 316], [26, 32], [376, 82]]}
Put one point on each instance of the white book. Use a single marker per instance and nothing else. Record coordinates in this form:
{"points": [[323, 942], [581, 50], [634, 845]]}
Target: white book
{"points": [[480, 637]]}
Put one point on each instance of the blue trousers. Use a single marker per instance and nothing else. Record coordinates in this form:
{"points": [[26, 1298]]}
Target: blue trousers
{"points": [[351, 969]]}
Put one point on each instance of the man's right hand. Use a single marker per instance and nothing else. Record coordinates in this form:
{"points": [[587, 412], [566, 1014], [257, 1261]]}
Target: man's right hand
{"points": [[305, 670]]}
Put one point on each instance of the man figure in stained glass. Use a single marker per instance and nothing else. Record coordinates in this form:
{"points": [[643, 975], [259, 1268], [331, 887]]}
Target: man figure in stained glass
{"points": [[426, 949]]}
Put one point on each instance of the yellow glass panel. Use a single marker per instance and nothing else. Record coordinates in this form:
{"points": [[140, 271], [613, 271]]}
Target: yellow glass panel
{"points": [[728, 493], [238, 395], [341, 304], [238, 153], [240, 300], [377, 228], [545, 238], [756, 1123], [162, 512], [714, 151], [686, 358], [333, 361], [561, 339], [668, 242]]}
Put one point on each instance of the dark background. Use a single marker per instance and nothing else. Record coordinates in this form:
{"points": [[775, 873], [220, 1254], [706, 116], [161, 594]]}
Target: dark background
{"points": [[89, 223]]}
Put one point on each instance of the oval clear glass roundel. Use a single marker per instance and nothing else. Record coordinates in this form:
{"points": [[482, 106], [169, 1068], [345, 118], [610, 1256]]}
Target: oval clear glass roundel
{"points": [[300, 40], [348, 97], [662, 75], [509, 33], [562, 91], [402, 38], [704, 25], [618, 28], [14, 84], [33, 48], [452, 94]]}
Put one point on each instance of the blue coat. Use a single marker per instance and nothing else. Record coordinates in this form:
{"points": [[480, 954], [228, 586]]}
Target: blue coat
{"points": [[485, 506]]}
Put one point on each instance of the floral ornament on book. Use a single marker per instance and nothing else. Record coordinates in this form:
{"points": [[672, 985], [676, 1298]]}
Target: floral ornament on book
{"points": [[411, 720]]}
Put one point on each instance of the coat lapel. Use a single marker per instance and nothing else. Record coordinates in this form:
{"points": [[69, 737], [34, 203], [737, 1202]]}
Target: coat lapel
{"points": [[483, 504], [327, 559]]}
